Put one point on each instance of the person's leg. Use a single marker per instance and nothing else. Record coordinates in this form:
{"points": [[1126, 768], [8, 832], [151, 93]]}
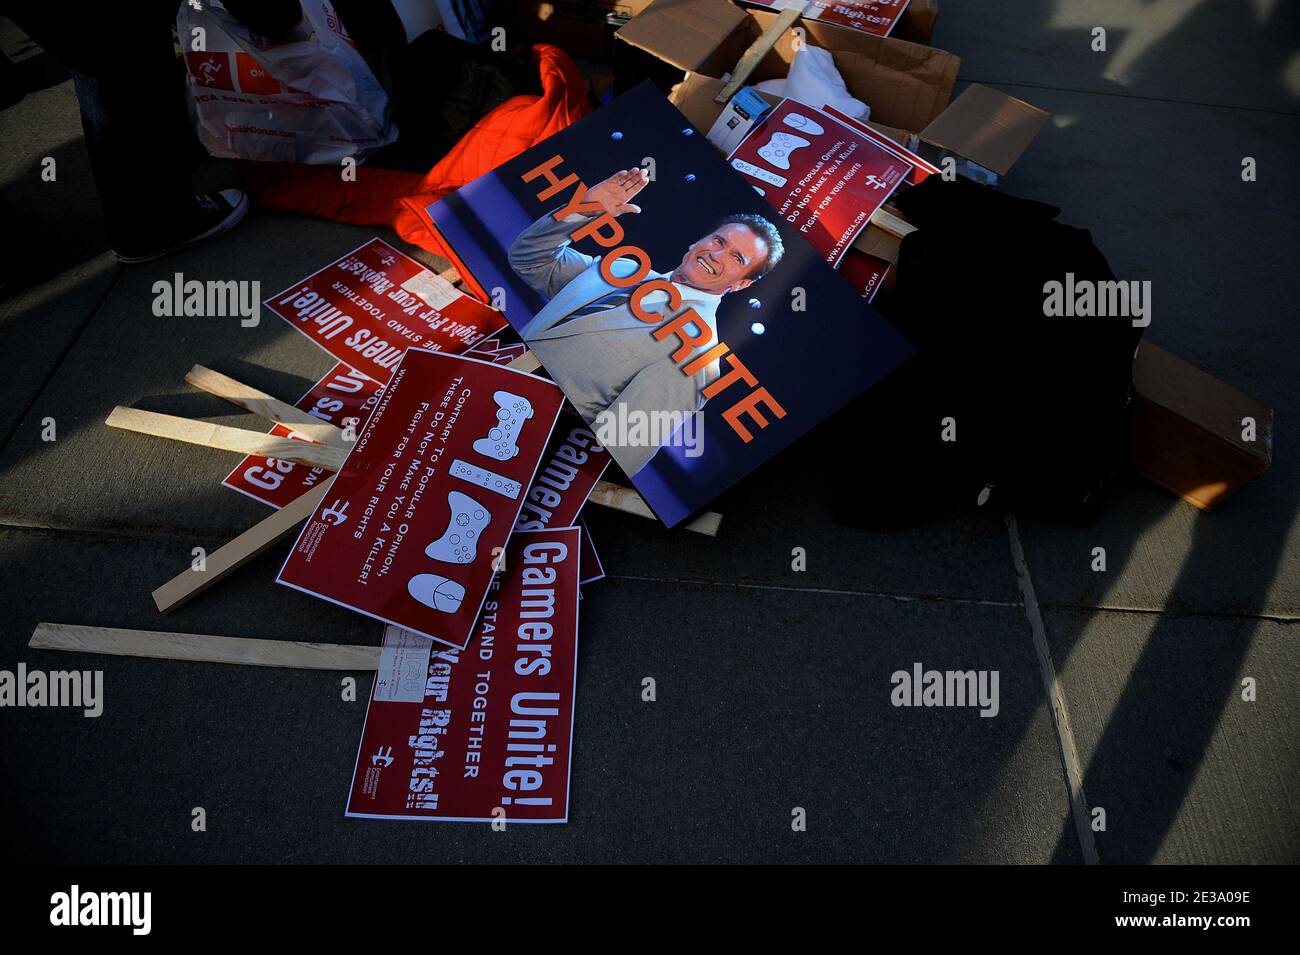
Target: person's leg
{"points": [[131, 91]]}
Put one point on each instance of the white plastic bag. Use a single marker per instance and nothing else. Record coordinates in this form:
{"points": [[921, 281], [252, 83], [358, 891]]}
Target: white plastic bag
{"points": [[309, 97], [814, 81]]}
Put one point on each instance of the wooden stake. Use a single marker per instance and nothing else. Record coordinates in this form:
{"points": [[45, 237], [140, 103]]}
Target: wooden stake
{"points": [[331, 458], [629, 501], [620, 498], [202, 648], [239, 550], [260, 403], [243, 548], [708, 524], [226, 439], [525, 362], [894, 224], [760, 48]]}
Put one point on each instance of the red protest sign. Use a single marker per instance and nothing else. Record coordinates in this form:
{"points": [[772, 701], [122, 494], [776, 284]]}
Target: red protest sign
{"points": [[823, 176], [500, 348], [866, 273], [571, 467], [922, 169], [876, 17], [458, 735], [371, 305], [344, 397], [593, 569], [411, 528]]}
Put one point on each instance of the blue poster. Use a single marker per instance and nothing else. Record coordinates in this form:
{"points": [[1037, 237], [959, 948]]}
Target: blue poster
{"points": [[696, 332]]}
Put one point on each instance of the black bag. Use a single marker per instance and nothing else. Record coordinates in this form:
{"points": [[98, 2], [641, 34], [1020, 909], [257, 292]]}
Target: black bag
{"points": [[1037, 404]]}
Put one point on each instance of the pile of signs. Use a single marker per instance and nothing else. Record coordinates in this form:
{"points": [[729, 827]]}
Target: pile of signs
{"points": [[441, 493], [1189, 432], [663, 305], [439, 482]]}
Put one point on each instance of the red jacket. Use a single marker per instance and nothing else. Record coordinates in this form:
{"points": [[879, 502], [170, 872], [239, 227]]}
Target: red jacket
{"points": [[398, 199]]}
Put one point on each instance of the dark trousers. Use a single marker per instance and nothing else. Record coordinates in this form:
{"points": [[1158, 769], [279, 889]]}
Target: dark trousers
{"points": [[132, 95]]}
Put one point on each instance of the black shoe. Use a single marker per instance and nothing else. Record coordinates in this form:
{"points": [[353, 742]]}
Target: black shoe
{"points": [[214, 214]]}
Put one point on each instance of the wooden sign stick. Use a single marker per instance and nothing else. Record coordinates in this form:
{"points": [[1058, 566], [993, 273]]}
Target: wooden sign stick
{"points": [[760, 48], [331, 458], [219, 436], [886, 217], [525, 362], [260, 403], [201, 648], [608, 494], [748, 62], [239, 550]]}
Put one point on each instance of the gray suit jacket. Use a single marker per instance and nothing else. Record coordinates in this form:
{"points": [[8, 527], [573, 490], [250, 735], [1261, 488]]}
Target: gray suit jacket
{"points": [[609, 359]]}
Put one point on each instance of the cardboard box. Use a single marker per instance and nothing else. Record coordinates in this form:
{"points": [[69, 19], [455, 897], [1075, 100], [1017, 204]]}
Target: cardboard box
{"points": [[908, 85], [987, 126], [981, 124], [916, 23], [701, 25], [709, 36], [1186, 430]]}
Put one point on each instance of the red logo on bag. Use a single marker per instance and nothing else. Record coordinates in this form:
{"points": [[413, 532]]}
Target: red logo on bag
{"points": [[334, 23], [210, 69], [254, 78]]}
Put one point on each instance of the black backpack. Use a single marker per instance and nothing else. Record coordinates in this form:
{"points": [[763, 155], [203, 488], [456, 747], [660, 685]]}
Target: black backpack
{"points": [[1037, 404]]}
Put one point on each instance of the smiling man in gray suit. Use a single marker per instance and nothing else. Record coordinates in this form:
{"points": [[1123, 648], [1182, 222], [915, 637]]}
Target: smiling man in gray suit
{"points": [[589, 339]]}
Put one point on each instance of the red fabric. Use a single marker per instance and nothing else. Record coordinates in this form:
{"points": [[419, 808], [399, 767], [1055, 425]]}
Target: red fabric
{"points": [[397, 199]]}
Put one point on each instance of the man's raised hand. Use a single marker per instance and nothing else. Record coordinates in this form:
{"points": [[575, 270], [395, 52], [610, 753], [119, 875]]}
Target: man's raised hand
{"points": [[613, 193]]}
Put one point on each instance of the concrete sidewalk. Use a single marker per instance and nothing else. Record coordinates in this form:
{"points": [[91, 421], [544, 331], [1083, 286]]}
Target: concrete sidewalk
{"points": [[773, 685]]}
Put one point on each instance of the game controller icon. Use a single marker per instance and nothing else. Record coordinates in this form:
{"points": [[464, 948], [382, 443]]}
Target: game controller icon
{"points": [[501, 441], [802, 122], [488, 480], [758, 172], [436, 592], [459, 542], [777, 150]]}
